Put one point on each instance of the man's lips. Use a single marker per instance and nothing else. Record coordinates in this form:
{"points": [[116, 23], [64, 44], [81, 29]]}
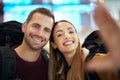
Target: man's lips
{"points": [[36, 39]]}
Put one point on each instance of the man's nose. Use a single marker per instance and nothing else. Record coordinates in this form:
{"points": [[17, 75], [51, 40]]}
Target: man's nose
{"points": [[40, 32]]}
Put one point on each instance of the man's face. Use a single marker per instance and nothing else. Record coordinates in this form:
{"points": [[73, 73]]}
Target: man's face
{"points": [[37, 31]]}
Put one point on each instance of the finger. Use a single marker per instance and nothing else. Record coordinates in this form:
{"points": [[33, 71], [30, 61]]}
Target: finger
{"points": [[108, 27], [104, 64]]}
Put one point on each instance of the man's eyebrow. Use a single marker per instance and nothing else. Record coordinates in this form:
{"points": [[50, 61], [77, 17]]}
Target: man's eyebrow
{"points": [[36, 24]]}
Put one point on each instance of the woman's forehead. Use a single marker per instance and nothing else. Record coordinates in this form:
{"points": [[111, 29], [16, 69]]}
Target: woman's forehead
{"points": [[63, 25]]}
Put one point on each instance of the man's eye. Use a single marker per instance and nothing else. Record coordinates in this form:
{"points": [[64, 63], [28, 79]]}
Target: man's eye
{"points": [[48, 30], [35, 26]]}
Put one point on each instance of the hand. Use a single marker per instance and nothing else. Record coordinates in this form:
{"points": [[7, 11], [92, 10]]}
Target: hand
{"points": [[110, 33]]}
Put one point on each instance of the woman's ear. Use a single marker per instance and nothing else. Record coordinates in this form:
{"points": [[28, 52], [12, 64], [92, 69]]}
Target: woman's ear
{"points": [[53, 45]]}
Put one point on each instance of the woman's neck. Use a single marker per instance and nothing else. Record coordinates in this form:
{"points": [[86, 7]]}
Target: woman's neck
{"points": [[69, 57]]}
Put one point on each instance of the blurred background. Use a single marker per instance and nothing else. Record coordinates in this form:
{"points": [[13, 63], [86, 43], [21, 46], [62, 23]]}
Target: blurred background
{"points": [[79, 12]]}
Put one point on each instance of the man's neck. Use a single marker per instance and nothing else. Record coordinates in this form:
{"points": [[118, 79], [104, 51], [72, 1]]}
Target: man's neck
{"points": [[27, 54]]}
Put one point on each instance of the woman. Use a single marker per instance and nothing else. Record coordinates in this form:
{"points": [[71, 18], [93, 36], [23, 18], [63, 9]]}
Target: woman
{"points": [[67, 58], [66, 55]]}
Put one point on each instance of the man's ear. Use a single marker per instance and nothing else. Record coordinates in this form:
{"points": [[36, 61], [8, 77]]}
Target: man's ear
{"points": [[53, 45], [24, 27]]}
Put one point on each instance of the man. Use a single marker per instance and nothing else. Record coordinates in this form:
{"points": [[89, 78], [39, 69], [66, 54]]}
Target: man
{"points": [[110, 33], [30, 64]]}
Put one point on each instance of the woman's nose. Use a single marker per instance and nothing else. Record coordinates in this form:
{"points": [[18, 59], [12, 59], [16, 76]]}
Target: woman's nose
{"points": [[67, 36]]}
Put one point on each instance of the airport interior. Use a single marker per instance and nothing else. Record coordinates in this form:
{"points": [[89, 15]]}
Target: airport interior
{"points": [[79, 12]]}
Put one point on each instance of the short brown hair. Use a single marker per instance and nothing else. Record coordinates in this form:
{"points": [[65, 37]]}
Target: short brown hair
{"points": [[42, 11]]}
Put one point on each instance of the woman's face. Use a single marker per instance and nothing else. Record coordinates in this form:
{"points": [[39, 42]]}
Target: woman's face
{"points": [[65, 38]]}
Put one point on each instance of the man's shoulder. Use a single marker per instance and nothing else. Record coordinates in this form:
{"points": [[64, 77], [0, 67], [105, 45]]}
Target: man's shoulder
{"points": [[85, 51]]}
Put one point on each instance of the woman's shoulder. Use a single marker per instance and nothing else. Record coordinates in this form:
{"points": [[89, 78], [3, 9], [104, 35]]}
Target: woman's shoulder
{"points": [[85, 51]]}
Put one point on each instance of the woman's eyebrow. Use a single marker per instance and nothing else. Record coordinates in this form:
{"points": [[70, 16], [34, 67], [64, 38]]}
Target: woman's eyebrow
{"points": [[59, 31], [70, 28]]}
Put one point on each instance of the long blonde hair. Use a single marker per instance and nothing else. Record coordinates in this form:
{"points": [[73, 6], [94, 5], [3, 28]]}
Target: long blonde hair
{"points": [[57, 64], [77, 68]]}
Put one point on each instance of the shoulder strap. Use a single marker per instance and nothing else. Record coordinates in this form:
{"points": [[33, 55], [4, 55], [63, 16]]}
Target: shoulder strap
{"points": [[45, 55], [8, 63]]}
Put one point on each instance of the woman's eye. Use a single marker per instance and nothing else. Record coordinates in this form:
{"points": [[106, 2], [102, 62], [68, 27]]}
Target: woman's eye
{"points": [[59, 35], [71, 32]]}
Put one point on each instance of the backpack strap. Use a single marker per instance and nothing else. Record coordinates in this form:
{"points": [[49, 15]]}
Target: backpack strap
{"points": [[8, 63], [45, 55]]}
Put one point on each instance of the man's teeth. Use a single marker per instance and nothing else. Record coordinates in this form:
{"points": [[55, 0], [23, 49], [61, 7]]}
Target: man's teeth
{"points": [[37, 40]]}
